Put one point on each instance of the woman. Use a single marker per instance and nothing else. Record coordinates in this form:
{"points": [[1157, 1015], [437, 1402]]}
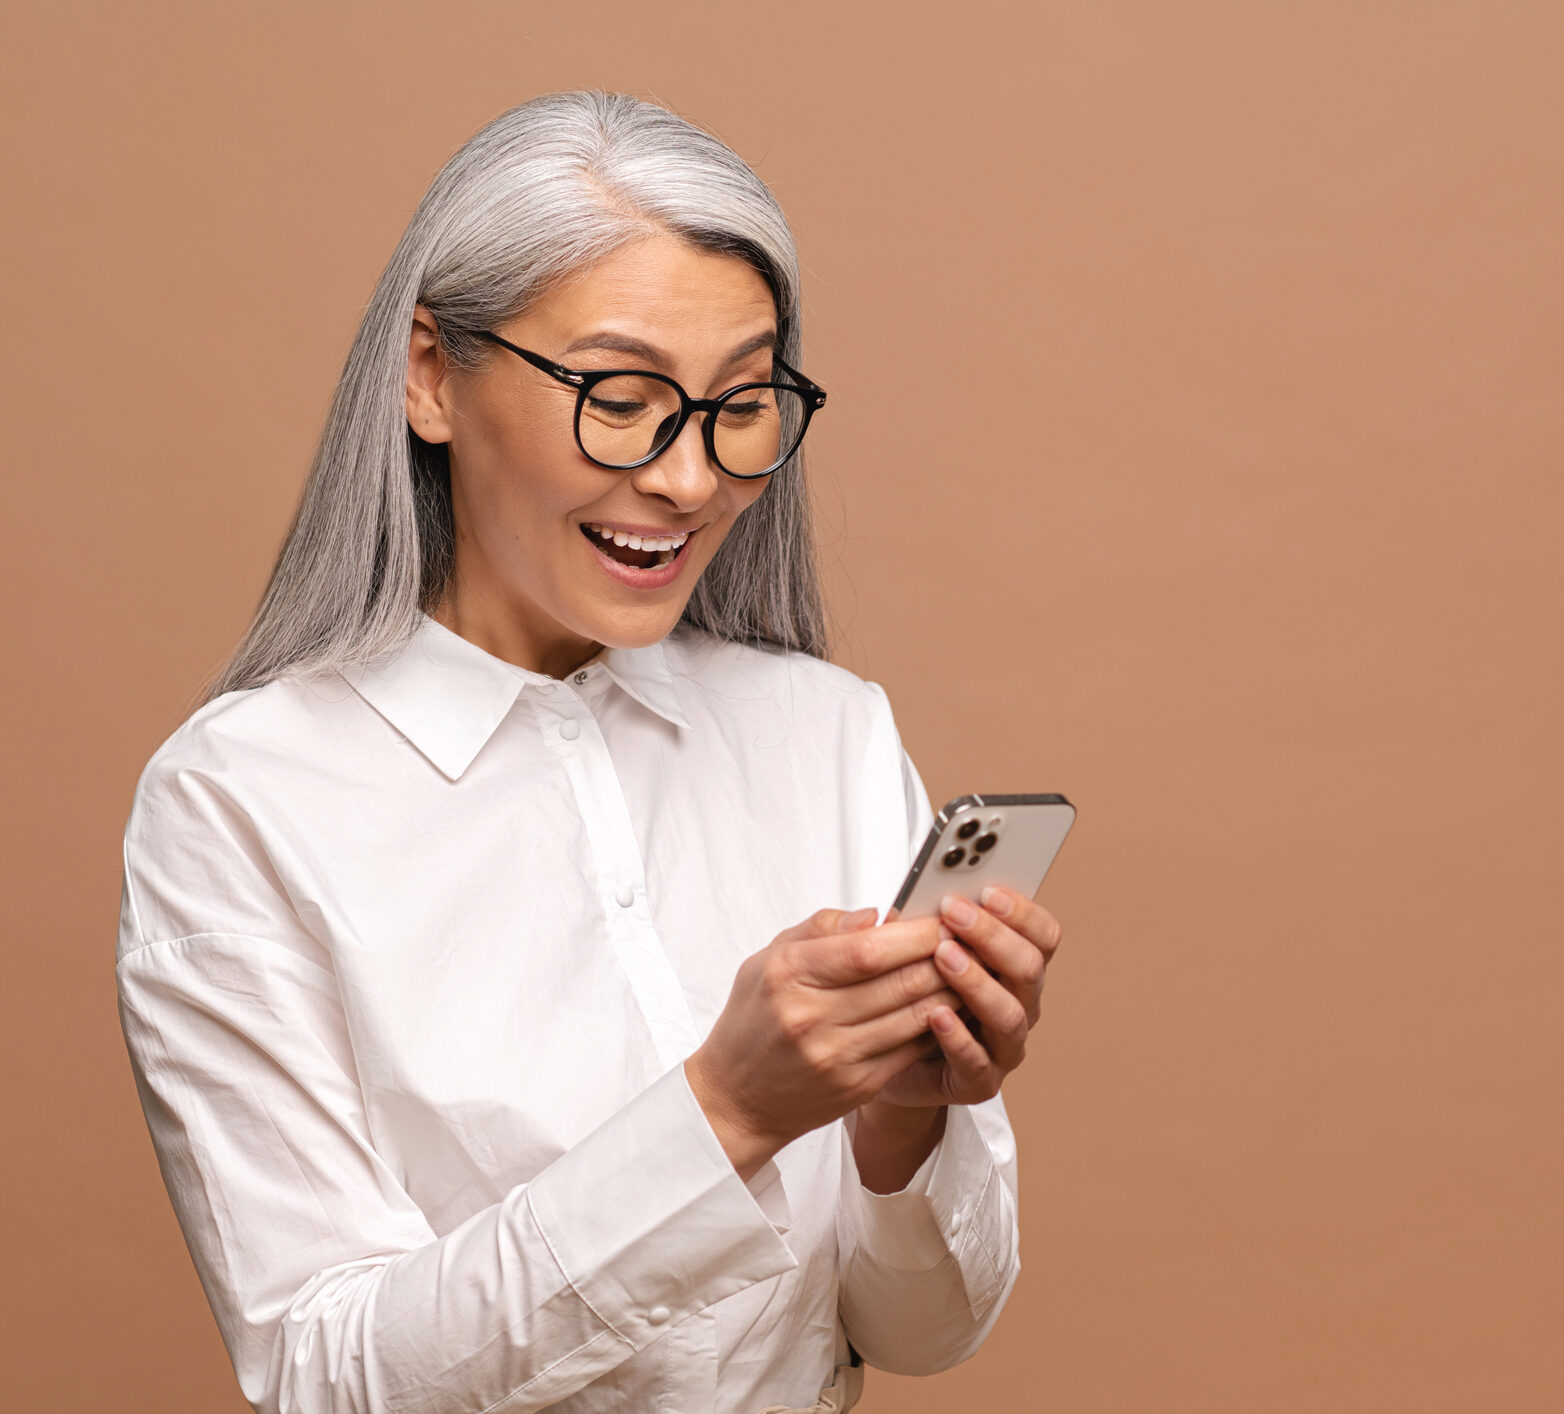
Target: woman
{"points": [[487, 1061]]}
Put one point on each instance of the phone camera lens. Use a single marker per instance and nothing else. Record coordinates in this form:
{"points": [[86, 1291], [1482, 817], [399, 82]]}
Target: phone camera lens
{"points": [[953, 857], [983, 843], [976, 858], [967, 829]]}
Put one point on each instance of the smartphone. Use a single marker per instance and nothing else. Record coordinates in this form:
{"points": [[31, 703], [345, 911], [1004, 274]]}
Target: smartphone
{"points": [[979, 840]]}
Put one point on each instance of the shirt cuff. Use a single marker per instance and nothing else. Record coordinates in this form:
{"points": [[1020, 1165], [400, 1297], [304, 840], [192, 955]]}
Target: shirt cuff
{"points": [[650, 1222], [767, 1189], [954, 1206]]}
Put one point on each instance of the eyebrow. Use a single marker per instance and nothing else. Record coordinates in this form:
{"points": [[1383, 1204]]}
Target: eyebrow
{"points": [[639, 348]]}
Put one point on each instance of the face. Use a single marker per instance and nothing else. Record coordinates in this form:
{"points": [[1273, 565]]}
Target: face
{"points": [[535, 582]]}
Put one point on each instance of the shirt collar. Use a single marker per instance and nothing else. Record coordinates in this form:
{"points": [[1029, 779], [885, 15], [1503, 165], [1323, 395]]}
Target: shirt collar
{"points": [[446, 695]]}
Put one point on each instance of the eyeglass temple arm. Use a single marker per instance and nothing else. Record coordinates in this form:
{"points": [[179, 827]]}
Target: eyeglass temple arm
{"points": [[566, 375], [547, 365], [807, 384]]}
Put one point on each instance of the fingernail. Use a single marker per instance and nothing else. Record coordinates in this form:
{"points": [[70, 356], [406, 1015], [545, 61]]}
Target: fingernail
{"points": [[952, 958], [944, 1021], [959, 910], [996, 900], [860, 918]]}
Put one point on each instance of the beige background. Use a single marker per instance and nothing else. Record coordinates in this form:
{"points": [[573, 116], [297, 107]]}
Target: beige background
{"points": [[1193, 449]]}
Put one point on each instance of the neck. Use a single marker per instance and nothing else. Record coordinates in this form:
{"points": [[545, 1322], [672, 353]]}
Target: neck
{"points": [[504, 632]]}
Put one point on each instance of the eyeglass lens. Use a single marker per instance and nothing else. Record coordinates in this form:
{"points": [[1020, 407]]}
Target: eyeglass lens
{"points": [[629, 417]]}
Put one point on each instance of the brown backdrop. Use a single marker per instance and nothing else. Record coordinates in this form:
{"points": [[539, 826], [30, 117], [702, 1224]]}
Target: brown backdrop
{"points": [[1193, 448]]}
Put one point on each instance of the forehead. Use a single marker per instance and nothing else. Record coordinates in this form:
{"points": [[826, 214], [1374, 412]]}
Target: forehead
{"points": [[660, 289]]}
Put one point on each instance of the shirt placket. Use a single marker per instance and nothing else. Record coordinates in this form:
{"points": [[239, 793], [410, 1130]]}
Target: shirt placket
{"points": [[573, 735]]}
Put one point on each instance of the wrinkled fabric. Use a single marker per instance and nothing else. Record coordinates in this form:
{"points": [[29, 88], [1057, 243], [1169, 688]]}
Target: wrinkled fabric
{"points": [[409, 961]]}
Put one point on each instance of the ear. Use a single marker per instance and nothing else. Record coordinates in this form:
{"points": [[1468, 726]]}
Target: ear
{"points": [[427, 412]]}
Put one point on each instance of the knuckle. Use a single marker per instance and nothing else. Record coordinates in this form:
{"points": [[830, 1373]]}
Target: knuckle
{"points": [[863, 953], [776, 973], [1032, 968], [915, 982], [817, 1053], [798, 1026], [923, 1010]]}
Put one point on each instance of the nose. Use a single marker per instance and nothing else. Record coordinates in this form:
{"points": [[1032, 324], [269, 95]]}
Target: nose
{"points": [[683, 474]]}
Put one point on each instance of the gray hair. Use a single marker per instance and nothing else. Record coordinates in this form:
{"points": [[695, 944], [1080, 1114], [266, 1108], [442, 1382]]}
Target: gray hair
{"points": [[545, 189]]}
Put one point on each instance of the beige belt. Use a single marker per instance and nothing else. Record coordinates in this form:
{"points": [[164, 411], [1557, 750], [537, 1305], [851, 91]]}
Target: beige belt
{"points": [[844, 1391]]}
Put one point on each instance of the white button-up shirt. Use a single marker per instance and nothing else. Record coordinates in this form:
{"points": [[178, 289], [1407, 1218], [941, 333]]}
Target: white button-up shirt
{"points": [[409, 961]]}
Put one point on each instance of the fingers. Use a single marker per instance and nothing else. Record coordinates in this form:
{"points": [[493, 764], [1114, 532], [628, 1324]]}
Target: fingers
{"points": [[903, 1027], [1026, 916], [890, 991], [921, 1058], [857, 954], [1017, 960], [973, 1075], [827, 922], [1003, 1017]]}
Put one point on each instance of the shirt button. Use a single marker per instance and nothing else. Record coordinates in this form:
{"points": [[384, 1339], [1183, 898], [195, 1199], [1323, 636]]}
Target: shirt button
{"points": [[625, 896], [570, 730], [581, 677], [657, 1315], [956, 1219]]}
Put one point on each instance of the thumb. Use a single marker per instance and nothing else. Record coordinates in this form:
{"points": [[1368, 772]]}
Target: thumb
{"points": [[827, 921]]}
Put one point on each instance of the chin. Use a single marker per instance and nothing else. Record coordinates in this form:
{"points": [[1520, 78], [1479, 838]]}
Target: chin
{"points": [[637, 629]]}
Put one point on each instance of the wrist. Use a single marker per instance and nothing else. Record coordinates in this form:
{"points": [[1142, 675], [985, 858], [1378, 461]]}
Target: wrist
{"points": [[900, 1123], [747, 1149], [890, 1142]]}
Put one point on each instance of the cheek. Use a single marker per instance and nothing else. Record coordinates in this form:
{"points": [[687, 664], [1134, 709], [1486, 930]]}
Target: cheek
{"points": [[744, 494], [527, 475]]}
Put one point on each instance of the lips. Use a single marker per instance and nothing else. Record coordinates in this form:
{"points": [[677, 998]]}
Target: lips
{"points": [[643, 558], [637, 549]]}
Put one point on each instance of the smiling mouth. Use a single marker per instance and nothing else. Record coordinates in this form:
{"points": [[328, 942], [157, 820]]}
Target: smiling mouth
{"points": [[642, 552]]}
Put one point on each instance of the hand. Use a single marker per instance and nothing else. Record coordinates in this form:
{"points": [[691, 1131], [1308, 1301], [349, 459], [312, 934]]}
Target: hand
{"points": [[1014, 938], [817, 1022]]}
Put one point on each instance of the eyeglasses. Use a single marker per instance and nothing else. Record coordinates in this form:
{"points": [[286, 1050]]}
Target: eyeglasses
{"points": [[625, 417]]}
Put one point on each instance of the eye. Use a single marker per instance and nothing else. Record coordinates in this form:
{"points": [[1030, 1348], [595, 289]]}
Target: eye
{"points": [[616, 407], [747, 407]]}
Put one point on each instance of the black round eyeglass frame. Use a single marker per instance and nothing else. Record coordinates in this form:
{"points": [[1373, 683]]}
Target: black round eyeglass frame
{"points": [[584, 380]]}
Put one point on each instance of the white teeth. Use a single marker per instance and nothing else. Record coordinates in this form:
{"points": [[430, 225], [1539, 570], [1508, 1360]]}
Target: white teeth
{"points": [[660, 543]]}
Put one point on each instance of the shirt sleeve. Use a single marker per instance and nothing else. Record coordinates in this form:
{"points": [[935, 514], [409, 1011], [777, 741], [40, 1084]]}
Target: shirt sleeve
{"points": [[331, 1291], [926, 1271]]}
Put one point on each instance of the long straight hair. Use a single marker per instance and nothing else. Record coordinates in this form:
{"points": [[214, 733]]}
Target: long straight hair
{"points": [[547, 188]]}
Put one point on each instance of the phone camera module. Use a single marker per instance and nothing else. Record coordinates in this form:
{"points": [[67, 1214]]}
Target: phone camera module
{"points": [[967, 828], [983, 843], [953, 857]]}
